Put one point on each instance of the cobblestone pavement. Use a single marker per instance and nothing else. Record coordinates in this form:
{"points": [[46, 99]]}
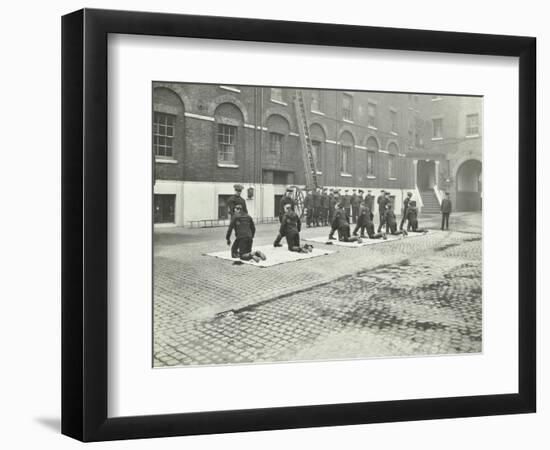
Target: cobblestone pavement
{"points": [[416, 296]]}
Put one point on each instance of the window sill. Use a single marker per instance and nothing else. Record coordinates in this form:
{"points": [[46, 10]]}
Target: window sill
{"points": [[437, 139], [471, 136], [384, 151], [165, 161], [228, 166], [370, 127], [318, 112], [392, 178], [319, 173], [393, 133], [279, 102], [348, 121], [371, 177], [229, 88], [437, 99], [345, 174]]}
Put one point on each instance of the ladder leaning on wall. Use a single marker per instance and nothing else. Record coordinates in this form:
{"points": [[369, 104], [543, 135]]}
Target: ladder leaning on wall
{"points": [[305, 139]]}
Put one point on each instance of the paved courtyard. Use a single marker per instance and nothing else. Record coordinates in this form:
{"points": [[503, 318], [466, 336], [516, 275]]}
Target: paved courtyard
{"points": [[414, 296]]}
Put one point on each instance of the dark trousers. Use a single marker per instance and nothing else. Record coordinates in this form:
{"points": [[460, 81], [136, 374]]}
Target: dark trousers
{"points": [[403, 221], [445, 221], [293, 240], [309, 216], [383, 222], [243, 247], [354, 212]]}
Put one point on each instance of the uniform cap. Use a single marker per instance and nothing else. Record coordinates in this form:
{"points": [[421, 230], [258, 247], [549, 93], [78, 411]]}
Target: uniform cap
{"points": [[238, 187]]}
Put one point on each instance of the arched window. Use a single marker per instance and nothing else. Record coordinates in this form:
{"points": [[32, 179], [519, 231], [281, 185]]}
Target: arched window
{"points": [[346, 152], [278, 129], [318, 143], [168, 124], [229, 139], [392, 160], [372, 150]]}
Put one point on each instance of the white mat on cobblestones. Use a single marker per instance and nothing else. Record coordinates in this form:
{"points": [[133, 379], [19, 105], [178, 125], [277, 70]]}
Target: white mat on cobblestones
{"points": [[324, 240], [274, 256]]}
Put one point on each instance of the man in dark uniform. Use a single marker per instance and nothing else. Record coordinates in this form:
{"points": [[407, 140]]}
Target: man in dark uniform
{"points": [[346, 199], [308, 206], [290, 228], [369, 201], [325, 204], [233, 201], [412, 218], [341, 223], [382, 202], [405, 206], [356, 199], [236, 199], [286, 200], [446, 209], [364, 222], [316, 206], [391, 222], [333, 200], [245, 230]]}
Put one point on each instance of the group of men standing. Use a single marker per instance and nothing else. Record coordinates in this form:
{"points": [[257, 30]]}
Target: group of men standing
{"points": [[320, 204]]}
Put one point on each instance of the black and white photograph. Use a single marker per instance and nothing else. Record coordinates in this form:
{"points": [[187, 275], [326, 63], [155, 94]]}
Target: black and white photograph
{"points": [[293, 224]]}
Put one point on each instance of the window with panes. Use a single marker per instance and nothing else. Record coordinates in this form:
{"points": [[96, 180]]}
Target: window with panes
{"points": [[276, 144], [345, 159], [371, 115], [163, 134], [347, 107], [438, 128], [227, 143], [472, 124]]}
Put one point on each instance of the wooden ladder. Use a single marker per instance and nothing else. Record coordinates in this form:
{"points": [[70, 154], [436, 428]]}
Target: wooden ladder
{"points": [[305, 138]]}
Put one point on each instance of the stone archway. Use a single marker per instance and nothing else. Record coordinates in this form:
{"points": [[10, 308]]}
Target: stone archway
{"points": [[469, 186]]}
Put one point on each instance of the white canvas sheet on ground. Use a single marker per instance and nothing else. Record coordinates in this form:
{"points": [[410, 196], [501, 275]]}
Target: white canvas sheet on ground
{"points": [[273, 255], [366, 241], [136, 389]]}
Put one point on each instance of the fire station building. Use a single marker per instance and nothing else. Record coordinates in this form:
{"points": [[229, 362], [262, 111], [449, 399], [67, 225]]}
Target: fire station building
{"points": [[206, 138]]}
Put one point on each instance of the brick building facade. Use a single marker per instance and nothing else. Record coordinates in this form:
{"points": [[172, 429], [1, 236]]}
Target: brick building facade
{"points": [[208, 137]]}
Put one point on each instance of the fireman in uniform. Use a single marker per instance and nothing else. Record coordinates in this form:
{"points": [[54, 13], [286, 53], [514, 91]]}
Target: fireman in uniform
{"points": [[245, 230], [405, 208], [391, 221], [290, 228], [341, 224], [412, 218], [286, 200]]}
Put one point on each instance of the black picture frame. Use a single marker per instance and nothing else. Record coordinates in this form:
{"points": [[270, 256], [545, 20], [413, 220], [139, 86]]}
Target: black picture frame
{"points": [[84, 224]]}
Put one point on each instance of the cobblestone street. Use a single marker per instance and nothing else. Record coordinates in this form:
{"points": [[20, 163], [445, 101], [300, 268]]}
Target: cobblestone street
{"points": [[414, 296]]}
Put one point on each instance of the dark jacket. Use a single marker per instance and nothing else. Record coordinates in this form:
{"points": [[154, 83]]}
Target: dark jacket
{"points": [[308, 201], [341, 218], [390, 217], [346, 200], [446, 206], [406, 205], [316, 200], [291, 223], [243, 226], [412, 213], [369, 201], [236, 200], [325, 200]]}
